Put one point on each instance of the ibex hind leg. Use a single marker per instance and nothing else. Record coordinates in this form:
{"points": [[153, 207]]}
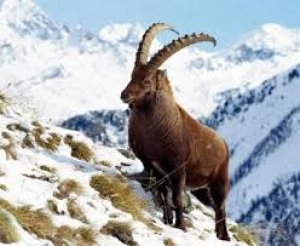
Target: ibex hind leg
{"points": [[178, 182], [219, 190]]}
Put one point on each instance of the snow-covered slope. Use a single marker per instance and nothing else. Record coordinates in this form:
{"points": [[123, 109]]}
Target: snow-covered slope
{"points": [[46, 190]]}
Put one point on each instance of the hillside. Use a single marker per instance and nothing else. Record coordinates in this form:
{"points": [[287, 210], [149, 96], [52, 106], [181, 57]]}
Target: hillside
{"points": [[58, 188]]}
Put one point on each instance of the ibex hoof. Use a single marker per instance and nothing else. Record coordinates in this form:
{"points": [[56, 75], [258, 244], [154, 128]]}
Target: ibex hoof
{"points": [[224, 237], [181, 226]]}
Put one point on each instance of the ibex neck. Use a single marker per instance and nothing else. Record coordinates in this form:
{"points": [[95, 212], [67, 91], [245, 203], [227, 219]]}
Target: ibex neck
{"points": [[161, 116], [160, 105]]}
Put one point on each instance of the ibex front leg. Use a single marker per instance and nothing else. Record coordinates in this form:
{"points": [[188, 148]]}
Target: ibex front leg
{"points": [[178, 184]]}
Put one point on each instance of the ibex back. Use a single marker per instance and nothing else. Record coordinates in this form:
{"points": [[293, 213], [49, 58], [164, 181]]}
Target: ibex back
{"points": [[165, 137]]}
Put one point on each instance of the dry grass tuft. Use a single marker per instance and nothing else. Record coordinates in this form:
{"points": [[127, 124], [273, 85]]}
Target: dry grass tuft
{"points": [[121, 231], [35, 222], [38, 223], [17, 127], [51, 143], [3, 102], [28, 141], [121, 196], [10, 148], [75, 211], [243, 234], [79, 150], [68, 186], [85, 236], [64, 233], [169, 242], [52, 206], [48, 169], [103, 163], [3, 187], [8, 232], [36, 124]]}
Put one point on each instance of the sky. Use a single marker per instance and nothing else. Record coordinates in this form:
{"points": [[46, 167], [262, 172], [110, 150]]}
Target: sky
{"points": [[227, 20]]}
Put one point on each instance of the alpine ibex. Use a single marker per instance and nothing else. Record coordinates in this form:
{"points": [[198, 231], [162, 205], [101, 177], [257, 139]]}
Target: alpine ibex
{"points": [[166, 138]]}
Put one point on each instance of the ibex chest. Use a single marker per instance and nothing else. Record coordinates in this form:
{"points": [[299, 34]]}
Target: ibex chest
{"points": [[152, 138]]}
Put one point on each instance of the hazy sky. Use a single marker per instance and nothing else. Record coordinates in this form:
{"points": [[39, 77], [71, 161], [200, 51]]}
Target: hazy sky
{"points": [[227, 20]]}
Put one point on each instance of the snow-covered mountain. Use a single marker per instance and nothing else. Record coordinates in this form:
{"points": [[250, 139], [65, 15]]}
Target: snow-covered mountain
{"points": [[41, 58], [262, 126], [248, 91]]}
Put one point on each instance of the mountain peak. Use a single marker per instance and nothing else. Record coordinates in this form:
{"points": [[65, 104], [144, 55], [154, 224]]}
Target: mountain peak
{"points": [[18, 8], [25, 17], [273, 27], [275, 37], [129, 33], [268, 42]]}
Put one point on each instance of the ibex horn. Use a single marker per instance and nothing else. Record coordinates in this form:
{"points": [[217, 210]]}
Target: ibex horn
{"points": [[168, 50], [149, 35]]}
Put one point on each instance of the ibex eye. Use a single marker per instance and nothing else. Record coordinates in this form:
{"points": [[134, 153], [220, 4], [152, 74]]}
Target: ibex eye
{"points": [[146, 82]]}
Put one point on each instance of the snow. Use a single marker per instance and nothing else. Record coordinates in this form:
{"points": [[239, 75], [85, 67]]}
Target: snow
{"points": [[27, 185], [261, 181]]}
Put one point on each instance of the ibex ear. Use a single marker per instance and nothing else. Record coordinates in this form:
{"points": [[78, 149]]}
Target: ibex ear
{"points": [[162, 74]]}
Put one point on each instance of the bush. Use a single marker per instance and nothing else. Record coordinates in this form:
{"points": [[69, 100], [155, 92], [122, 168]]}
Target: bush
{"points": [[121, 231], [3, 102], [75, 211], [121, 196], [8, 232], [79, 150], [48, 169], [3, 187], [9, 148], [17, 127], [169, 242], [51, 143], [67, 186], [35, 222], [243, 234], [52, 206], [85, 236], [38, 223]]}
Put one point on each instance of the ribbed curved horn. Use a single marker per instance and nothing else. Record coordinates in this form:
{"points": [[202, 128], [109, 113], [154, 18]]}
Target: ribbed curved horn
{"points": [[168, 50], [149, 35]]}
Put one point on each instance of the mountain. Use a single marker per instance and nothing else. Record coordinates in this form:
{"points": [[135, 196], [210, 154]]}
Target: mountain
{"points": [[54, 59], [262, 126], [71, 77]]}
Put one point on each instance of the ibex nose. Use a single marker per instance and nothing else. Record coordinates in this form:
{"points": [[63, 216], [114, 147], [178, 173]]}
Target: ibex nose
{"points": [[124, 95]]}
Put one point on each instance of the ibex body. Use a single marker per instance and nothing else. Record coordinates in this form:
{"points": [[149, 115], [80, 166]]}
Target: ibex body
{"points": [[165, 137]]}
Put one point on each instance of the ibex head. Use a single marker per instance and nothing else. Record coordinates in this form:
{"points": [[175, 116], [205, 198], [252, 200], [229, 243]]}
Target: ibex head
{"points": [[147, 78]]}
